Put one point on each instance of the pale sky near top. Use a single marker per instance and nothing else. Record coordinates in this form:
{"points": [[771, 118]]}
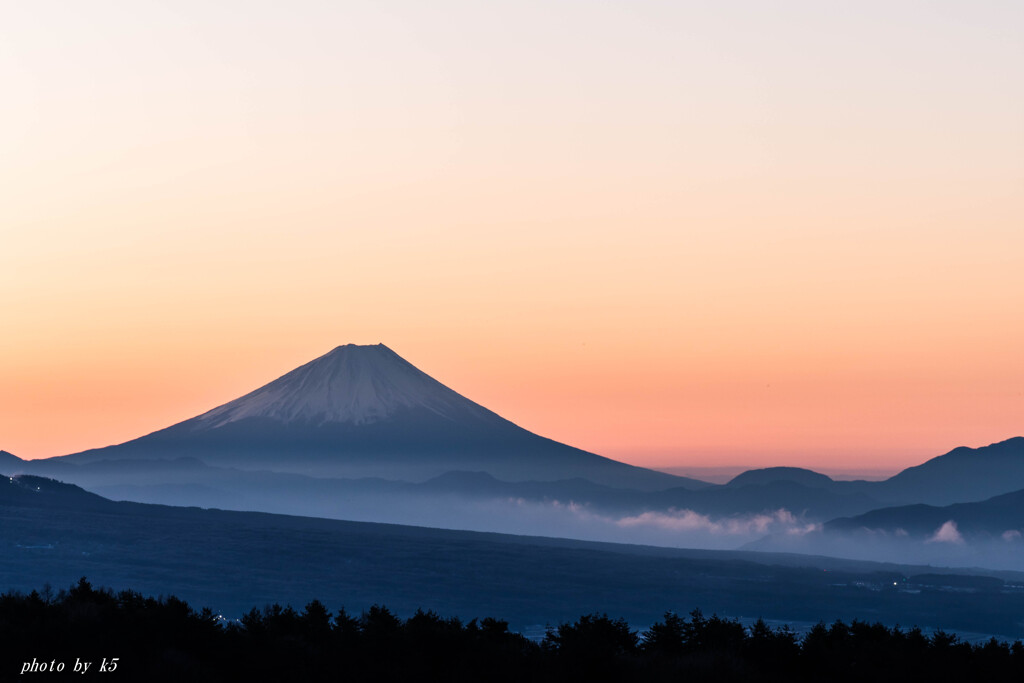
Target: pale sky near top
{"points": [[675, 233]]}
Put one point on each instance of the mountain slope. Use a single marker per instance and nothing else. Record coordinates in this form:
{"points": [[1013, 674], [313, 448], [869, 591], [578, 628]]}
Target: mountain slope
{"points": [[231, 561], [365, 411], [27, 490], [963, 475], [769, 475], [960, 476], [10, 462], [351, 385], [993, 517]]}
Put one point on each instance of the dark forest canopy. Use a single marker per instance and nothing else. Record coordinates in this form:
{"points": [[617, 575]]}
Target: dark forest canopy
{"points": [[165, 639]]}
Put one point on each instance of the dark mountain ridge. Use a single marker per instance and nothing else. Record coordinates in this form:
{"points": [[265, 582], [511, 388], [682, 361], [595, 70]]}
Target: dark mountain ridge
{"points": [[234, 560], [770, 475], [361, 424], [961, 475], [29, 490], [990, 518]]}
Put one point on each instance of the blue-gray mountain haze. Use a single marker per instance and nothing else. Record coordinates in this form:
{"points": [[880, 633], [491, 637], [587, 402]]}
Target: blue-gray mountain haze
{"points": [[360, 434]]}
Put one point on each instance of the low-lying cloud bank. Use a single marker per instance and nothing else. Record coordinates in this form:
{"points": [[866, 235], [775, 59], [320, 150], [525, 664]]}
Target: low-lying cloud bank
{"points": [[673, 527], [772, 531], [947, 533], [946, 546], [780, 521], [778, 530]]}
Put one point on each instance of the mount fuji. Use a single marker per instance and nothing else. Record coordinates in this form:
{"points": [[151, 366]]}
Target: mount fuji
{"points": [[364, 411]]}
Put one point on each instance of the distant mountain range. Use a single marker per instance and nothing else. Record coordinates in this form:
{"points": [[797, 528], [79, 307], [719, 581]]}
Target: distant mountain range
{"points": [[988, 518], [359, 433], [53, 533], [962, 475]]}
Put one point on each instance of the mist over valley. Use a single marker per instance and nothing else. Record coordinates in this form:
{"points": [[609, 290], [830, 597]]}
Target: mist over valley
{"points": [[361, 436]]}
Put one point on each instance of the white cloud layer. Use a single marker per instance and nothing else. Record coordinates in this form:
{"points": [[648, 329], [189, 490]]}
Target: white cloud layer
{"points": [[947, 533]]}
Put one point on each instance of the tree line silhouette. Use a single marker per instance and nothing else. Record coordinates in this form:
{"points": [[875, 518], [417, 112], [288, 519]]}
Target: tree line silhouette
{"points": [[165, 639]]}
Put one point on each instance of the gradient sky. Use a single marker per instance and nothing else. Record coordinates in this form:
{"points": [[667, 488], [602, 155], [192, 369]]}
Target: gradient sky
{"points": [[689, 234]]}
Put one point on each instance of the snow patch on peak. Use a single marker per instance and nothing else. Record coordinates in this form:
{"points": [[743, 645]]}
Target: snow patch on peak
{"points": [[351, 384]]}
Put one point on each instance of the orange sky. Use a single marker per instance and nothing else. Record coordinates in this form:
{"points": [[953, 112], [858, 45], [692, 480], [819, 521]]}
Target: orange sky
{"points": [[679, 236]]}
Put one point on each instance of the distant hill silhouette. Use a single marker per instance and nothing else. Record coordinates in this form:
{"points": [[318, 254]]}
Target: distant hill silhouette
{"points": [[962, 475], [9, 462], [992, 518], [32, 491], [360, 433], [771, 475], [231, 561]]}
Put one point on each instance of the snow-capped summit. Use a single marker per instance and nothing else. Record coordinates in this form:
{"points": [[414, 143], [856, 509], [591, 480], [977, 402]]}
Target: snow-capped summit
{"points": [[353, 385]]}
